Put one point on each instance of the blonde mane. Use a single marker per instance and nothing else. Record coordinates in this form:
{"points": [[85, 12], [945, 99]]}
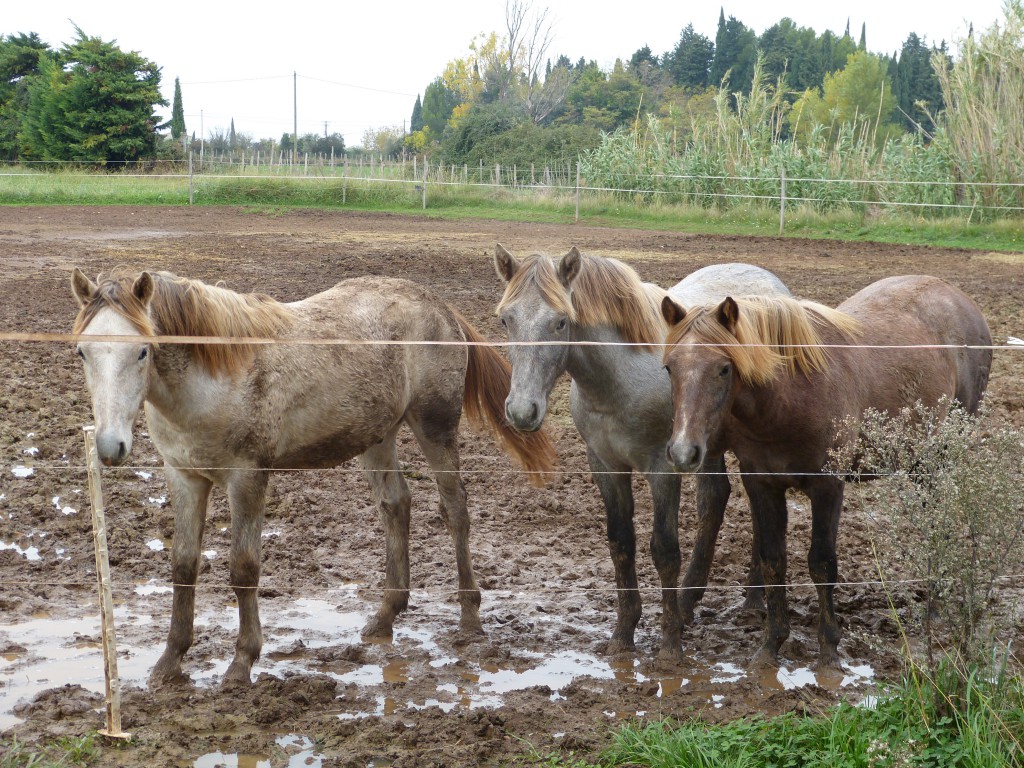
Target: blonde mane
{"points": [[183, 307], [771, 332], [606, 292]]}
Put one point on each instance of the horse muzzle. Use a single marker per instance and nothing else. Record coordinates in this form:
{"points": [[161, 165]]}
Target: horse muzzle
{"points": [[685, 456], [112, 450], [525, 416]]}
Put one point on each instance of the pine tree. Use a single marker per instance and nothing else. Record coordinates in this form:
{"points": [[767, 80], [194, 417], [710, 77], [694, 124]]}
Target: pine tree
{"points": [[95, 104], [177, 113]]}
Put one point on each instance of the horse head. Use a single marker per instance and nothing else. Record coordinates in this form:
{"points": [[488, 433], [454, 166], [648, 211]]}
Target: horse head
{"points": [[704, 379], [117, 372], [537, 315]]}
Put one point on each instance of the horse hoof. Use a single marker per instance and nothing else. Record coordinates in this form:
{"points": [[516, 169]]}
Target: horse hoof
{"points": [[378, 629], [765, 658], [168, 679], [237, 676], [618, 646], [670, 654]]}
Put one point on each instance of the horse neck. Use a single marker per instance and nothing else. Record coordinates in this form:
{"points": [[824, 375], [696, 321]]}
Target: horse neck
{"points": [[607, 371]]}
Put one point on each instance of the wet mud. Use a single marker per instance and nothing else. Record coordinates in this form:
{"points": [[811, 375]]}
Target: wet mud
{"points": [[539, 682]]}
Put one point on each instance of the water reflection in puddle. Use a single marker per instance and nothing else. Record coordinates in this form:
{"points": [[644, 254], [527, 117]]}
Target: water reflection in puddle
{"points": [[45, 652], [306, 756]]}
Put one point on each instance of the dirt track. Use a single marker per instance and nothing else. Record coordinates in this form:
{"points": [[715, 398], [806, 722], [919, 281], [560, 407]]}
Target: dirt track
{"points": [[538, 682]]}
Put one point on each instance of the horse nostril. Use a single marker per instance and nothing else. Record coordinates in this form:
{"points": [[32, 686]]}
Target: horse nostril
{"points": [[533, 412], [122, 450]]}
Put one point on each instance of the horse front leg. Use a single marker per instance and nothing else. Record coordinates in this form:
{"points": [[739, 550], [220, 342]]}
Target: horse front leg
{"points": [[246, 497], [617, 493], [188, 494], [768, 509], [713, 489], [665, 553], [393, 500], [826, 508]]}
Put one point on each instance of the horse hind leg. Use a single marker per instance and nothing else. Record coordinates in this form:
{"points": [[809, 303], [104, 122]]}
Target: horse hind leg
{"points": [[438, 438], [393, 500]]}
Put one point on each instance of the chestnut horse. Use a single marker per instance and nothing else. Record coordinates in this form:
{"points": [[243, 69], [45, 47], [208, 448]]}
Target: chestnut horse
{"points": [[227, 414], [593, 318], [773, 381]]}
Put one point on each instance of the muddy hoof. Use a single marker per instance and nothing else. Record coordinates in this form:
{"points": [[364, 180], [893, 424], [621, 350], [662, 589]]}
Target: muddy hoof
{"points": [[670, 654], [765, 658], [618, 646], [378, 629], [174, 679]]}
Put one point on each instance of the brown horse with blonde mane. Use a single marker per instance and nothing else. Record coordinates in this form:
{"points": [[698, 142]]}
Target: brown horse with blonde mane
{"points": [[302, 385], [777, 381]]}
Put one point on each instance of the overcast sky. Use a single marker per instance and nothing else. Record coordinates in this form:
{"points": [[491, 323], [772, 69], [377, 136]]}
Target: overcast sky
{"points": [[361, 65]]}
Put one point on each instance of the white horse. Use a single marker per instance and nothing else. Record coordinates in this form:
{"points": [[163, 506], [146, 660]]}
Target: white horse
{"points": [[621, 402], [226, 413]]}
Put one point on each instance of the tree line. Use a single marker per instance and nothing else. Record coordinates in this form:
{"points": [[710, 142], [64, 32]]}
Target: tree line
{"points": [[508, 101], [497, 105]]}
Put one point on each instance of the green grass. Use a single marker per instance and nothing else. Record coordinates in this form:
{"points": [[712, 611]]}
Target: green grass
{"points": [[479, 201], [62, 753], [912, 724]]}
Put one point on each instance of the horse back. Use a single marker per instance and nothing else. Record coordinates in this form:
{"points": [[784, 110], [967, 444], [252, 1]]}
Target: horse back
{"points": [[911, 310]]}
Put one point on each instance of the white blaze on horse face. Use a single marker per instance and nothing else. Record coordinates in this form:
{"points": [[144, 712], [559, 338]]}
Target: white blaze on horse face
{"points": [[535, 367], [117, 375], [702, 382]]}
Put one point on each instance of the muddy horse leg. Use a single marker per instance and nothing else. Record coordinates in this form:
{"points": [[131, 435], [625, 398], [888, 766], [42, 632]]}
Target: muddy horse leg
{"points": [[617, 493], [826, 508], [713, 491], [188, 494], [392, 497], [247, 491], [665, 553], [768, 507], [442, 453]]}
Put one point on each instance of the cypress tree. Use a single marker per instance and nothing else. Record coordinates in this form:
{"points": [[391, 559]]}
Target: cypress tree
{"points": [[177, 113]]}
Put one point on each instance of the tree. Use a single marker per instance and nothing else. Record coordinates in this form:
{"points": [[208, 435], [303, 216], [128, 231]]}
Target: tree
{"points": [[689, 63], [19, 61], [439, 102], [860, 94], [95, 105], [915, 84], [735, 54], [177, 113], [416, 122]]}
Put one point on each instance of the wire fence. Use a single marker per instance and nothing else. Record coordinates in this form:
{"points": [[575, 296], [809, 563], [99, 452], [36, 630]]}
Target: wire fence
{"points": [[417, 180]]}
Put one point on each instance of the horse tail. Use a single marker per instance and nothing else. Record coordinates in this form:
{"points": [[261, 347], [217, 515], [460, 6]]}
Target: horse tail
{"points": [[488, 380]]}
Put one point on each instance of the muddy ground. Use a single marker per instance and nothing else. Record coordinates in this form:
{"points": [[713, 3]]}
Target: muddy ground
{"points": [[538, 684]]}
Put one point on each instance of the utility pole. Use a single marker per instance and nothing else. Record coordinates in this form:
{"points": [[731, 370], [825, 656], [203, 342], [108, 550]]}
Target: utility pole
{"points": [[295, 116]]}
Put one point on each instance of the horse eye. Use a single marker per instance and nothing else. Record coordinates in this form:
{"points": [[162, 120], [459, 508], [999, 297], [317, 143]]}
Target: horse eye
{"points": [[726, 370], [143, 353], [80, 353], [561, 325], [667, 370]]}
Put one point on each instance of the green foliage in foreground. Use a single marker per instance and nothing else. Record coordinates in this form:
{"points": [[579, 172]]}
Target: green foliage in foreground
{"points": [[902, 729], [63, 753]]}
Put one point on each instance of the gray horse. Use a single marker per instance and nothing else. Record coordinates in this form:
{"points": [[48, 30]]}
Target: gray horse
{"points": [[603, 326]]}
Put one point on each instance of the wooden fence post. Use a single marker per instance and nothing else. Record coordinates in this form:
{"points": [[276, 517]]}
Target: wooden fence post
{"points": [[782, 200], [190, 187], [99, 531], [577, 192], [426, 165]]}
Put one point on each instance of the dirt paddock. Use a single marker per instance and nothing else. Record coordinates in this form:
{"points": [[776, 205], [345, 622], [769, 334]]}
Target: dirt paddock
{"points": [[538, 683]]}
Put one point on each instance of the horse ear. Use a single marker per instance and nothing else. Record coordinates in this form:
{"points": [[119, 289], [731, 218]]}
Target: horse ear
{"points": [[672, 312], [143, 288], [505, 263], [83, 288], [569, 266], [728, 314]]}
